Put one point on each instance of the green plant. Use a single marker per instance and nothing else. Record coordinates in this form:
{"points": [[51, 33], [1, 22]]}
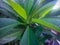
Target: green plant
{"points": [[30, 18]]}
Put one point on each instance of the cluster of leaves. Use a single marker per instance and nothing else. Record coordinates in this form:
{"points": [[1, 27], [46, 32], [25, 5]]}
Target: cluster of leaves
{"points": [[28, 21]]}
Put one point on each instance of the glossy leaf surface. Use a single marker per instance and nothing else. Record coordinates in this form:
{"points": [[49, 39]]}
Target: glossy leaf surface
{"points": [[29, 38]]}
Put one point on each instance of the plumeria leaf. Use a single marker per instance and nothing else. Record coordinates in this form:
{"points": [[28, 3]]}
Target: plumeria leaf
{"points": [[44, 10], [48, 23], [18, 8], [7, 26], [29, 38], [10, 37]]}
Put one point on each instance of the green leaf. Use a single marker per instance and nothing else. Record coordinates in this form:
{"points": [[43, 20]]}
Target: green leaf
{"points": [[21, 2], [7, 26], [37, 4], [54, 14], [10, 37], [20, 11], [7, 21], [55, 21], [6, 7], [28, 5], [38, 31], [47, 24], [6, 13], [29, 38], [44, 10]]}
